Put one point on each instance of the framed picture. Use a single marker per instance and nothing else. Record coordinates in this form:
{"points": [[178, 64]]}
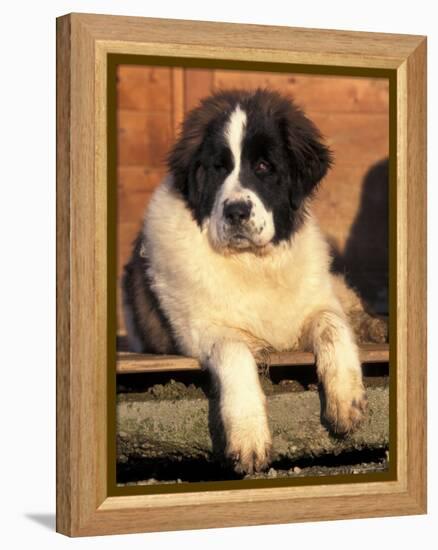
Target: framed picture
{"points": [[252, 350]]}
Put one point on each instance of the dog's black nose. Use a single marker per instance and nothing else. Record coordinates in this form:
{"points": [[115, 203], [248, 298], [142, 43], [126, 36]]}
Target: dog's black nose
{"points": [[237, 212]]}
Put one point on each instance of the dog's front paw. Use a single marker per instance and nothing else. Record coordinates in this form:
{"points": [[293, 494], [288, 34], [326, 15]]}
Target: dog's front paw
{"points": [[248, 443], [346, 404]]}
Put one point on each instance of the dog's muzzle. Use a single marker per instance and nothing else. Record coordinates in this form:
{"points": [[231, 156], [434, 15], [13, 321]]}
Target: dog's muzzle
{"points": [[238, 227]]}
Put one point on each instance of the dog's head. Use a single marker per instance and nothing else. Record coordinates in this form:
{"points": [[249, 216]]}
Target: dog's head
{"points": [[245, 164]]}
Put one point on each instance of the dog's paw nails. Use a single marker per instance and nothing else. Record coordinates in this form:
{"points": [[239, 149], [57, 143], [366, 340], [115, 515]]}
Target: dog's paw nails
{"points": [[249, 447], [345, 413], [250, 461]]}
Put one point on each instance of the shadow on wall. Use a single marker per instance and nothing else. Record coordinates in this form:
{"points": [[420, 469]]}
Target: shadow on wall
{"points": [[365, 258]]}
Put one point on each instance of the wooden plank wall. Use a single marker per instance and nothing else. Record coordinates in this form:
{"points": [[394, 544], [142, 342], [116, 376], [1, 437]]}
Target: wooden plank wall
{"points": [[352, 114]]}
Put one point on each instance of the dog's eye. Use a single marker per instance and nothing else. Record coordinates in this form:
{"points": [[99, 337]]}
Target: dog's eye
{"points": [[219, 166], [262, 167]]}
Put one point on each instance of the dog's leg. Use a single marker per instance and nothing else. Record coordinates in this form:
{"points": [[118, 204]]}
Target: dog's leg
{"points": [[339, 370], [242, 405]]}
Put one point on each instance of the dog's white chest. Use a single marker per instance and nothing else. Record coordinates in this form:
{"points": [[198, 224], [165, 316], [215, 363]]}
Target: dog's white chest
{"points": [[263, 304], [267, 306]]}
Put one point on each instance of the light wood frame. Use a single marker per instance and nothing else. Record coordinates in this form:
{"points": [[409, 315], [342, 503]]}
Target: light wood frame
{"points": [[83, 504]]}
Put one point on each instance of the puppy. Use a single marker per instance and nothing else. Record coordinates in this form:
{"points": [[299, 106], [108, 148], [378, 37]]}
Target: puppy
{"points": [[230, 262]]}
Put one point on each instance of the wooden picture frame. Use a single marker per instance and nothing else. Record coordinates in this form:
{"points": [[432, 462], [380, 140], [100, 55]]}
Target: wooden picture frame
{"points": [[84, 261]]}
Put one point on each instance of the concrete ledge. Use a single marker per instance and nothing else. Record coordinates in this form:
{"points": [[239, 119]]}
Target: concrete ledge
{"points": [[187, 428]]}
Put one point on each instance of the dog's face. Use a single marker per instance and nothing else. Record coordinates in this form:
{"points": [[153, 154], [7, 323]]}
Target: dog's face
{"points": [[245, 164]]}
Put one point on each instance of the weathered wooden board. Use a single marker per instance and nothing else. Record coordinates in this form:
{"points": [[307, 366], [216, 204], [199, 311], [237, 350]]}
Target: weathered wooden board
{"points": [[128, 362]]}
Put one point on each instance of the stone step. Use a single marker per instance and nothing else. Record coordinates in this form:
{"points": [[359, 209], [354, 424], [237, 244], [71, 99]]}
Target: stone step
{"points": [[186, 428]]}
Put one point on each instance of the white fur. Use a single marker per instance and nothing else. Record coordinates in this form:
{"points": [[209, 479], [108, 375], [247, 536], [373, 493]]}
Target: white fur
{"points": [[224, 308], [234, 133], [338, 368], [242, 403], [261, 222]]}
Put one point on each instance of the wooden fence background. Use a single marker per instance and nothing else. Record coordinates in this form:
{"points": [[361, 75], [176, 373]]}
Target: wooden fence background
{"points": [[352, 114]]}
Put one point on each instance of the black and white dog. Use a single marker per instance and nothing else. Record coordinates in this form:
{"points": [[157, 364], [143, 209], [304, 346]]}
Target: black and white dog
{"points": [[231, 262]]}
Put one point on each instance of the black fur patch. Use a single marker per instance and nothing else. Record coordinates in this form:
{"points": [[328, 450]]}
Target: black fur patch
{"points": [[150, 323], [277, 133]]}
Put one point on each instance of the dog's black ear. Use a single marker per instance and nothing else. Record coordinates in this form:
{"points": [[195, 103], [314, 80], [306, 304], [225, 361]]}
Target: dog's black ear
{"points": [[185, 165], [309, 157], [183, 156]]}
